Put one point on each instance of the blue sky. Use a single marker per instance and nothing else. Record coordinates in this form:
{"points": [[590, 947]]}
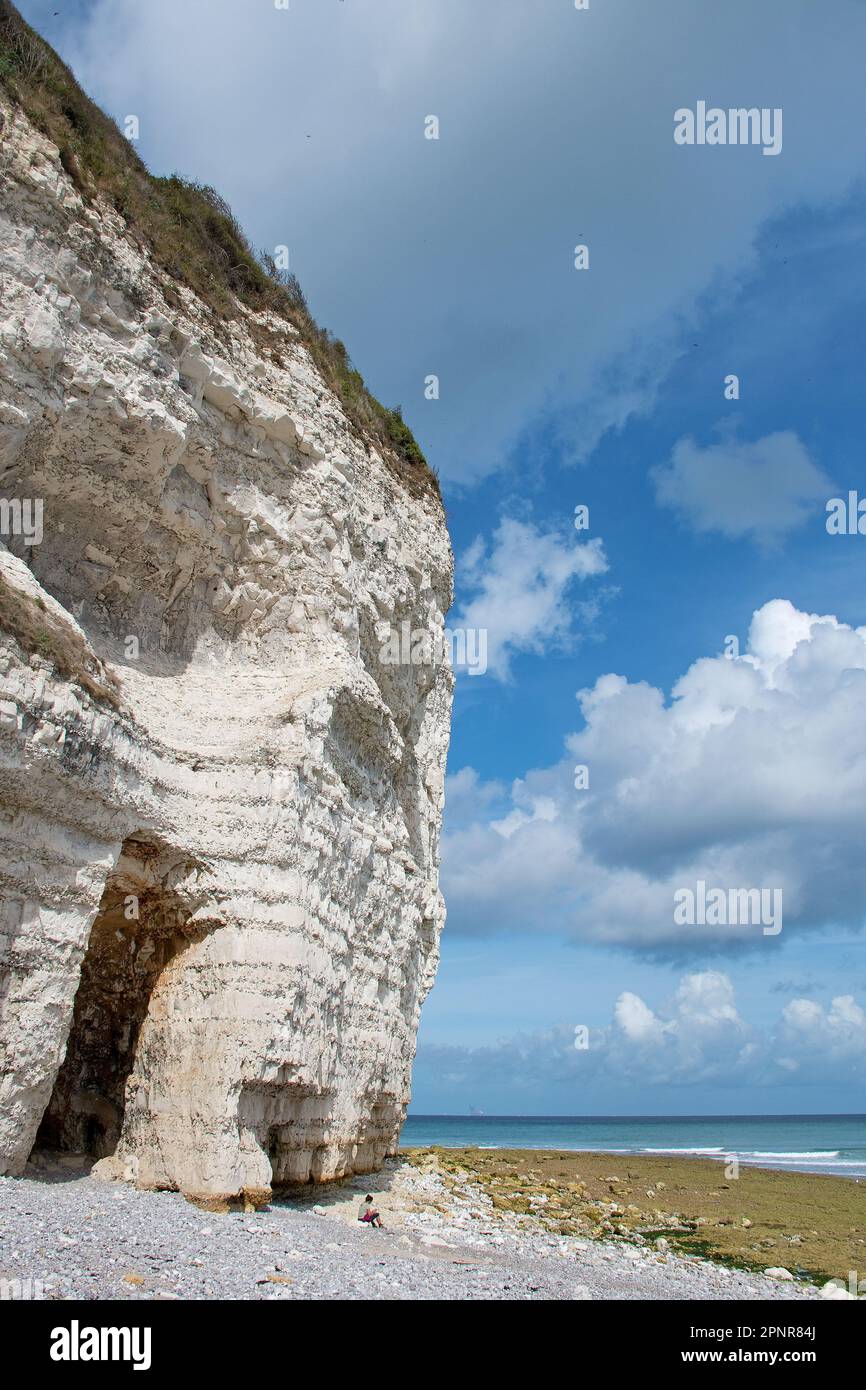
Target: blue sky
{"points": [[603, 387]]}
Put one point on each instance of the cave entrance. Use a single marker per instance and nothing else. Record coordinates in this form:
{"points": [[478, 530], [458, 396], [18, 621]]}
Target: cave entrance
{"points": [[141, 928]]}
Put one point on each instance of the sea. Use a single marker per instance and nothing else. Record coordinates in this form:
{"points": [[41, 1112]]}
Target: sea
{"points": [[800, 1143]]}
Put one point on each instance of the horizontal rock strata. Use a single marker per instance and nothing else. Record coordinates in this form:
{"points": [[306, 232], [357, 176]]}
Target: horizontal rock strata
{"points": [[219, 809]]}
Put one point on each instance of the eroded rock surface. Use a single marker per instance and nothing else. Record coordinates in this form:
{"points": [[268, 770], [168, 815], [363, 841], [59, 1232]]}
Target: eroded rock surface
{"points": [[219, 811]]}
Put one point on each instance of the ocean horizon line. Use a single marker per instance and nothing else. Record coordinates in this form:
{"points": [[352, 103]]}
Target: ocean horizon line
{"points": [[628, 1115]]}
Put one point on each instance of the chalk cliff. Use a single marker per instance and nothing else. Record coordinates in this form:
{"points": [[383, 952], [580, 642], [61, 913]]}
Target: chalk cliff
{"points": [[219, 810]]}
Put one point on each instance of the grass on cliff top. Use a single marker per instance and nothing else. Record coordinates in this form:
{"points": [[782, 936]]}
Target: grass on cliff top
{"points": [[190, 232]]}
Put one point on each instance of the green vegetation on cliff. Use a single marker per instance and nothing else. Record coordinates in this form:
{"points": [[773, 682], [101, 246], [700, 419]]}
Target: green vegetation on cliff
{"points": [[188, 229], [38, 629]]}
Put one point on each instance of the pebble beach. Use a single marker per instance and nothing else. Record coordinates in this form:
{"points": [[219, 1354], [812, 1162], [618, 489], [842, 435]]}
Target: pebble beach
{"points": [[76, 1237]]}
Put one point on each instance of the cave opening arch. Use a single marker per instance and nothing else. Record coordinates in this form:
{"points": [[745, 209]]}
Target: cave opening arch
{"points": [[142, 929]]}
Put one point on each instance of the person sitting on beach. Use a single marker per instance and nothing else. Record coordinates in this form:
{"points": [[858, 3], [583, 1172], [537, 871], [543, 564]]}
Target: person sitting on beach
{"points": [[368, 1213]]}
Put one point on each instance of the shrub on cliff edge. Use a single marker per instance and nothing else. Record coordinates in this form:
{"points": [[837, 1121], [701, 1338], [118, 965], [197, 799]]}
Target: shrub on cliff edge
{"points": [[188, 228]]}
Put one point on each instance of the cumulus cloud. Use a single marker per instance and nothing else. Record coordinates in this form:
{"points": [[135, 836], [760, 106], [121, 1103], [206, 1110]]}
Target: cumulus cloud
{"points": [[467, 794], [752, 775], [696, 1038], [761, 488], [520, 589], [811, 1035]]}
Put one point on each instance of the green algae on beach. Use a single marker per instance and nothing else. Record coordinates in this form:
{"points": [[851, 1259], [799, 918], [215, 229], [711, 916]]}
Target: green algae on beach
{"points": [[813, 1225]]}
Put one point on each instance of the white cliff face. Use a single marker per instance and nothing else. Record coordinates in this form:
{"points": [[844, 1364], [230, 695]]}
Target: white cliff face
{"points": [[219, 810]]}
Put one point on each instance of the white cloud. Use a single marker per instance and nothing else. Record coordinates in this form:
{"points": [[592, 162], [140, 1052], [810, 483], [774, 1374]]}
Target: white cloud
{"points": [[698, 1037], [542, 808], [761, 489], [706, 999], [753, 775], [311, 122], [467, 794], [837, 1032], [520, 589], [636, 1019]]}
